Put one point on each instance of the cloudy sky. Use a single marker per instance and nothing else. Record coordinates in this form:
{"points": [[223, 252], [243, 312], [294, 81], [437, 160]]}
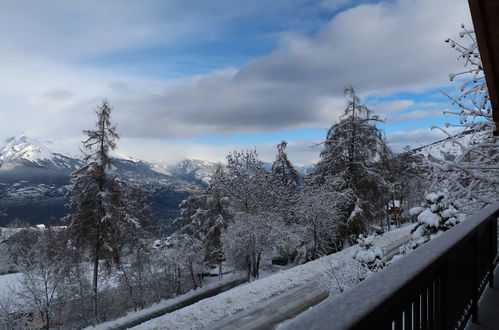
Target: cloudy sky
{"points": [[197, 79]]}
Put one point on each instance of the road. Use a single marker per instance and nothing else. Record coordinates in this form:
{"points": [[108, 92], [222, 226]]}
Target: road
{"points": [[189, 301], [275, 310]]}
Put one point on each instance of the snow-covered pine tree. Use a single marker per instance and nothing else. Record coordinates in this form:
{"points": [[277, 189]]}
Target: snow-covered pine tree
{"points": [[351, 151], [101, 218], [204, 217], [370, 256], [471, 178], [283, 169], [439, 216], [284, 185], [353, 144]]}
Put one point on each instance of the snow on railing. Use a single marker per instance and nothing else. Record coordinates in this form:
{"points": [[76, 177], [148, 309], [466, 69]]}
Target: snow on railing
{"points": [[437, 286]]}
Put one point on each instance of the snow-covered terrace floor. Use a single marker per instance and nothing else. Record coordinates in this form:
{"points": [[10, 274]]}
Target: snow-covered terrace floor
{"points": [[488, 307]]}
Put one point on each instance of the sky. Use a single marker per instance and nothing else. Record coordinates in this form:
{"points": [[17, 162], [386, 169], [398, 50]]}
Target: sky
{"points": [[198, 79]]}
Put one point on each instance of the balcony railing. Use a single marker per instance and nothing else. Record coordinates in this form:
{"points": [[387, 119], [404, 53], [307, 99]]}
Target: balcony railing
{"points": [[437, 286]]}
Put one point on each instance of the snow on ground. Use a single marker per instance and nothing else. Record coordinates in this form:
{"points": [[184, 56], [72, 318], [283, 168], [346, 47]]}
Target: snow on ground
{"points": [[10, 282], [5, 233], [207, 311], [163, 304], [7, 282]]}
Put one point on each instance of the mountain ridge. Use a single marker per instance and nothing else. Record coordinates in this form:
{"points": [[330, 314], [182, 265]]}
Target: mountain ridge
{"points": [[34, 180]]}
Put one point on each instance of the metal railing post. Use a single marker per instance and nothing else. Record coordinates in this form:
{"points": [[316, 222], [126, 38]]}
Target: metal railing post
{"points": [[474, 280], [493, 249]]}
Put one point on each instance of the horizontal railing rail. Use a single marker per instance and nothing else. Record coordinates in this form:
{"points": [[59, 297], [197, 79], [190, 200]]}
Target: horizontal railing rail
{"points": [[437, 286]]}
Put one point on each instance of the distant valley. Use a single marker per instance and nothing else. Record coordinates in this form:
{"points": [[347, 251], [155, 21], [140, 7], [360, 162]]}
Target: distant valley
{"points": [[34, 180]]}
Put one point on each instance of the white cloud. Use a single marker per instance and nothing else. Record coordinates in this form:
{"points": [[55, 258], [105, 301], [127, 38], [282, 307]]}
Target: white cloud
{"points": [[379, 48]]}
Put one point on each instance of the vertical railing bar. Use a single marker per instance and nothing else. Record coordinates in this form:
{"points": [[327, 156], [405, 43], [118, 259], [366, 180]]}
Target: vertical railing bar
{"points": [[444, 301], [416, 323], [438, 293], [398, 321], [424, 309], [408, 317], [493, 249], [474, 278], [430, 306]]}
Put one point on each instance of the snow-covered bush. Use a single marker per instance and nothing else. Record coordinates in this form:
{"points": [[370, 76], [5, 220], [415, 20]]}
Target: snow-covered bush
{"points": [[439, 216], [370, 257]]}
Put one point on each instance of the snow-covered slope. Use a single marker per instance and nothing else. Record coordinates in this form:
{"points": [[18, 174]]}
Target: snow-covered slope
{"points": [[447, 147]]}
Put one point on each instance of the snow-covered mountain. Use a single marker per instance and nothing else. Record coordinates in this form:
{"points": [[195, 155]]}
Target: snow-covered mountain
{"points": [[448, 147], [192, 170], [28, 151], [34, 181]]}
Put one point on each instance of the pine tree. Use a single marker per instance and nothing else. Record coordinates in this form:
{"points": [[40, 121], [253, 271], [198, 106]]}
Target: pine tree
{"points": [[205, 217], [439, 215], [103, 214], [370, 256], [352, 145], [352, 149], [283, 169]]}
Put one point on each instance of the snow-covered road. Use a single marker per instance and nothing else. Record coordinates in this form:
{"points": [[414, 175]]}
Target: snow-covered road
{"points": [[275, 310]]}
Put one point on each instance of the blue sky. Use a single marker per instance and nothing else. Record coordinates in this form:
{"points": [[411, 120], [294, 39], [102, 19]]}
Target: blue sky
{"points": [[197, 79]]}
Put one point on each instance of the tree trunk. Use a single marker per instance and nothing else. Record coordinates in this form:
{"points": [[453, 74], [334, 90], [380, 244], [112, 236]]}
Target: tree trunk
{"points": [[179, 282], [193, 276], [257, 266], [95, 280], [47, 320], [248, 266], [316, 245]]}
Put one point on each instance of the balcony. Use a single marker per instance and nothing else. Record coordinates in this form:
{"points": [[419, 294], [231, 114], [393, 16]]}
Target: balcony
{"points": [[437, 286]]}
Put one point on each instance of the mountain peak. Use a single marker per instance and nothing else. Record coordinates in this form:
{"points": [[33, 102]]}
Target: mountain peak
{"points": [[24, 148]]}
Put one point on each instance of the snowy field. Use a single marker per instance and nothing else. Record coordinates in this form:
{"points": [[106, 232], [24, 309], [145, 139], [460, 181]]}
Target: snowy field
{"points": [[207, 311], [7, 282]]}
